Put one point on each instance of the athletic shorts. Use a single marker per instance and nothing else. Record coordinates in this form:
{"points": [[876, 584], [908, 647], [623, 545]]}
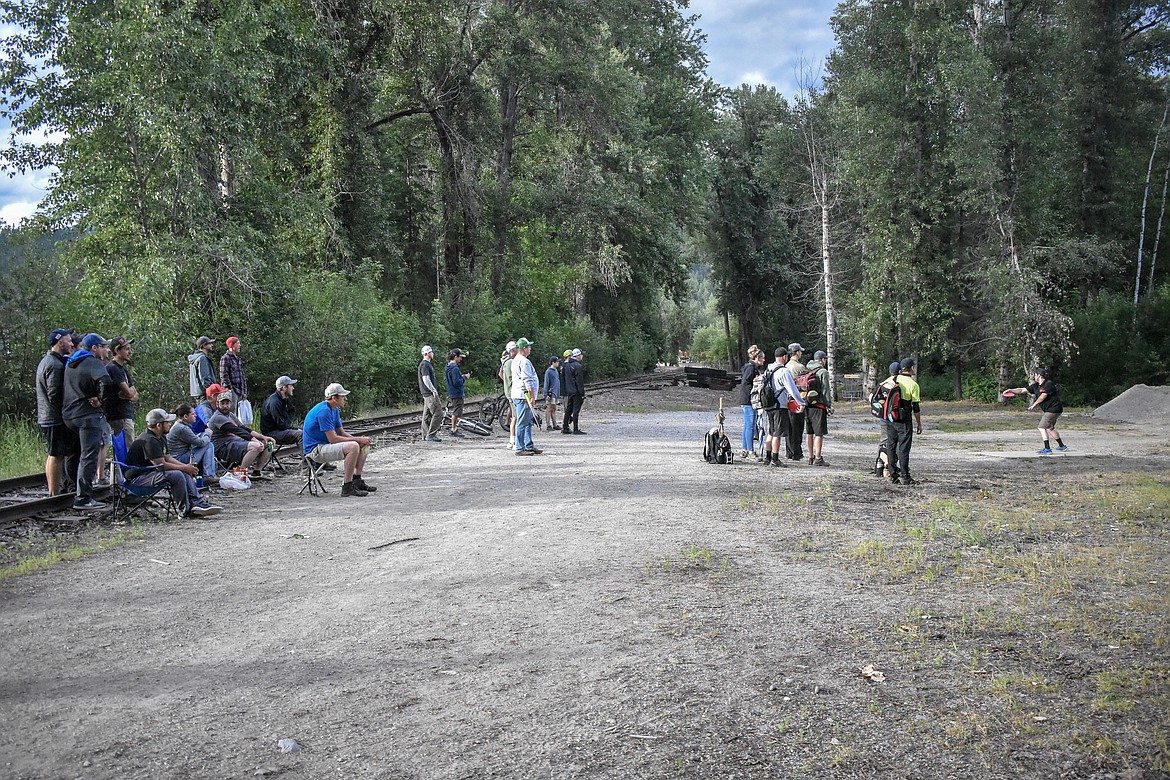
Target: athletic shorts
{"points": [[1048, 420], [816, 421], [456, 405], [324, 453], [62, 440], [773, 422]]}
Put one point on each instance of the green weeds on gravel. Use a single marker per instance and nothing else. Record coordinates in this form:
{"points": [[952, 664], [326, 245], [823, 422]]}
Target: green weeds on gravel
{"points": [[22, 451], [34, 554]]}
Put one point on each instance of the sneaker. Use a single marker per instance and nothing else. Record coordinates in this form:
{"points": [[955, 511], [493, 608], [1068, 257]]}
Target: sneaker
{"points": [[811, 460], [819, 462], [525, 452], [360, 484], [535, 450], [895, 481], [908, 480], [1043, 451], [743, 454], [258, 475], [329, 467], [777, 463], [579, 432], [459, 434], [350, 489], [565, 430], [1062, 448], [88, 505], [434, 438], [203, 509]]}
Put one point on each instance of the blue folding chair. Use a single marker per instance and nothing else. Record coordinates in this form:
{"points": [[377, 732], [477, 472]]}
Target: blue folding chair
{"points": [[129, 498]]}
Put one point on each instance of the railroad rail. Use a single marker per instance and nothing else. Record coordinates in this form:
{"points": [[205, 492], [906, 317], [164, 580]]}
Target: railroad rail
{"points": [[25, 497]]}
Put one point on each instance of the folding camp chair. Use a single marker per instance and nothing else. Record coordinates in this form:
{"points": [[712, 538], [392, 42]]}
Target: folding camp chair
{"points": [[311, 472], [129, 498]]}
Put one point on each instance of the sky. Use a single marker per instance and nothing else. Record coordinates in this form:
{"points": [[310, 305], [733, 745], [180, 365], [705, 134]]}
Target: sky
{"points": [[748, 42]]}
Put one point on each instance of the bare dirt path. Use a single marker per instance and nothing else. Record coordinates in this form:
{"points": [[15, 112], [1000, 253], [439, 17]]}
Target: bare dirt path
{"points": [[612, 608]]}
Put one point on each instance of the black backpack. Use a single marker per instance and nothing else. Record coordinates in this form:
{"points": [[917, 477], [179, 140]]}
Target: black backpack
{"points": [[763, 391], [716, 447], [886, 402]]}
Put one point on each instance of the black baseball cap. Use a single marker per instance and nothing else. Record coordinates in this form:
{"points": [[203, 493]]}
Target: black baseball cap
{"points": [[59, 333]]}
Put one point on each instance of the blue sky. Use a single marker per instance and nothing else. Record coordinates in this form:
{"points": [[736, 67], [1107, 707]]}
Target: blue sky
{"points": [[748, 41]]}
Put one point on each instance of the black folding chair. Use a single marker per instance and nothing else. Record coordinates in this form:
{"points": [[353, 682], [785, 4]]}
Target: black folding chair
{"points": [[311, 472]]}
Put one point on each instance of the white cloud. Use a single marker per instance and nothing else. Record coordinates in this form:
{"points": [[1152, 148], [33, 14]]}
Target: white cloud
{"points": [[13, 213]]}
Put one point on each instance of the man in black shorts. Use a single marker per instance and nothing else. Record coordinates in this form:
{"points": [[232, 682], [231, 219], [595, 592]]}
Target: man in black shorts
{"points": [[150, 464], [64, 446], [1046, 396], [820, 406]]}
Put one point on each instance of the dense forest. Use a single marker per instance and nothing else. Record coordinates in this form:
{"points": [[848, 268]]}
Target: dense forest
{"points": [[980, 184]]}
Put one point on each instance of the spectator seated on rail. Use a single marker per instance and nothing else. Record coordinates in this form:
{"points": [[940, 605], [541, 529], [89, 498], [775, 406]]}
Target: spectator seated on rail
{"points": [[326, 440], [189, 447], [236, 445], [148, 465]]}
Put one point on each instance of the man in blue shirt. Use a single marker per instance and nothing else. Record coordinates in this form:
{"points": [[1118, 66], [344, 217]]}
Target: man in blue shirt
{"points": [[455, 381], [326, 440], [552, 392]]}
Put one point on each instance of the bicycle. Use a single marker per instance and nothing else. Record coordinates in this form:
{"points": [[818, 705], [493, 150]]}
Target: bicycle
{"points": [[469, 424], [506, 417]]}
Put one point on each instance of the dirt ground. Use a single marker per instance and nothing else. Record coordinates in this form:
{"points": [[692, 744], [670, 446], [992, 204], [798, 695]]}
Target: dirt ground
{"points": [[617, 608]]}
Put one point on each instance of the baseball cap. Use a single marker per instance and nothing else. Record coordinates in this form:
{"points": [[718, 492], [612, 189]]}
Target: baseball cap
{"points": [[426, 349], [908, 363], [524, 343], [554, 358], [895, 367], [224, 394], [93, 340], [578, 353], [285, 381], [510, 345], [780, 352], [59, 333], [568, 353], [214, 390], [456, 353], [335, 389], [120, 341], [203, 341], [795, 347], [820, 354], [155, 416], [232, 341]]}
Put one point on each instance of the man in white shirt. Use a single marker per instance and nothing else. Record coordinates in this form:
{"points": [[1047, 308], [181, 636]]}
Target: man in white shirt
{"points": [[525, 385], [779, 421]]}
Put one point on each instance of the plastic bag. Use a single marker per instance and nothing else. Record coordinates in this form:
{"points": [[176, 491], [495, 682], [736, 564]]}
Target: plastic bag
{"points": [[233, 481], [244, 412]]}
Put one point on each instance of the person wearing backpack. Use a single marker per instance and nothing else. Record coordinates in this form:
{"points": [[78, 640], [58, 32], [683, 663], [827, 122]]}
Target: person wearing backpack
{"points": [[793, 445], [899, 431], [780, 389], [820, 406], [747, 381]]}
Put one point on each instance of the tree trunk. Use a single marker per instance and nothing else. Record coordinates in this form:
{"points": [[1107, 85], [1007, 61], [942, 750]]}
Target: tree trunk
{"points": [[830, 304], [1137, 282], [958, 378], [727, 340]]}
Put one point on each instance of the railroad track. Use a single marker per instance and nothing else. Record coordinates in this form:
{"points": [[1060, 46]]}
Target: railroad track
{"points": [[25, 497]]}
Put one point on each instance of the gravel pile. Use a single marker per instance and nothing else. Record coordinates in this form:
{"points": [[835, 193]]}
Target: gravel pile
{"points": [[1138, 404]]}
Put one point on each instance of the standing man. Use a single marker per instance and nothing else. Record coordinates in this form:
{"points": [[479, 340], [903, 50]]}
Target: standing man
{"points": [[525, 386], [455, 381], [816, 415], [505, 375], [86, 384], [325, 440], [779, 421], [574, 390], [1046, 396], [432, 416], [552, 391], [60, 438], [150, 463], [792, 445], [277, 414], [231, 372], [123, 393], [900, 433], [202, 375]]}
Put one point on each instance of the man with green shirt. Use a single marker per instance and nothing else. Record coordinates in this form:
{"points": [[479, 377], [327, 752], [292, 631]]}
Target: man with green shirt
{"points": [[901, 434]]}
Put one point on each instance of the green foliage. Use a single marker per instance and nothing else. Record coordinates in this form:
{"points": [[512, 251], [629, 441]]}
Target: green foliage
{"points": [[22, 449]]}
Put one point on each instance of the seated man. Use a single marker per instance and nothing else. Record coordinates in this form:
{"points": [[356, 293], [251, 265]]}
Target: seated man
{"points": [[276, 415], [206, 408], [325, 440], [190, 447], [148, 453], [236, 445]]}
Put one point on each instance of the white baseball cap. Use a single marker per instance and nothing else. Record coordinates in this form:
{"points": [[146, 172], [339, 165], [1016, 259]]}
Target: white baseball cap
{"points": [[335, 389]]}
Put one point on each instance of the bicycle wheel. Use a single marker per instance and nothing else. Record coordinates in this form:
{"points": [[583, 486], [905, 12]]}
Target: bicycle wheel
{"points": [[506, 418], [477, 427]]}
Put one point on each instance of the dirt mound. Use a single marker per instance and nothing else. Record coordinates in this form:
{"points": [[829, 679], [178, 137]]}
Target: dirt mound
{"points": [[1138, 404]]}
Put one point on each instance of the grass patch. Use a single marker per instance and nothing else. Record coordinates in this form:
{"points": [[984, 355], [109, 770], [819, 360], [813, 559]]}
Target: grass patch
{"points": [[22, 449], [34, 554], [693, 559], [634, 409]]}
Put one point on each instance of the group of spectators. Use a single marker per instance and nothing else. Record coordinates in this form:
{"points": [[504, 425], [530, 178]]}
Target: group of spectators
{"points": [[524, 390], [791, 413], [86, 403]]}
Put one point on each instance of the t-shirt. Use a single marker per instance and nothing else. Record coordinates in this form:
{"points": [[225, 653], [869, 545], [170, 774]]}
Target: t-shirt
{"points": [[911, 394], [1052, 402], [145, 449], [506, 371], [117, 407], [426, 370], [320, 418]]}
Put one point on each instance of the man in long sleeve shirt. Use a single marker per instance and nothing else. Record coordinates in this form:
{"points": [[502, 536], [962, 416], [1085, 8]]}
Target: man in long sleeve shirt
{"points": [[62, 441], [779, 421], [86, 383], [231, 372], [432, 416], [525, 385]]}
